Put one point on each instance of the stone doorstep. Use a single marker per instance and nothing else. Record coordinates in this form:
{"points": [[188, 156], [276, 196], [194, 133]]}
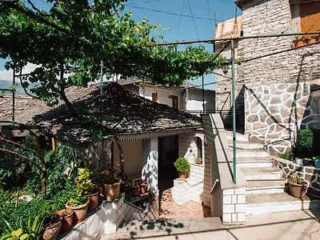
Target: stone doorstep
{"points": [[257, 164], [262, 173], [246, 153], [248, 146], [265, 187]]}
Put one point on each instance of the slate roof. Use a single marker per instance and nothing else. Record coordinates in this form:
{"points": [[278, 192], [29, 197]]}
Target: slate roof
{"points": [[122, 111]]}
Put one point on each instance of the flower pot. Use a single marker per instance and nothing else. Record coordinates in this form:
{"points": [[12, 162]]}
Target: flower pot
{"points": [[297, 190], [299, 161], [112, 191], [316, 163], [298, 43], [66, 220], [183, 175], [93, 201], [80, 211], [312, 40], [143, 188], [51, 232]]}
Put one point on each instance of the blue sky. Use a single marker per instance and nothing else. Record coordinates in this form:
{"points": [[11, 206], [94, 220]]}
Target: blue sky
{"points": [[176, 18]]}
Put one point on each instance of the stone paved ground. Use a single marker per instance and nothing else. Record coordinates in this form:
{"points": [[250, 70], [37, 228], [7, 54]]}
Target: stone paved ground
{"points": [[189, 210], [291, 225]]}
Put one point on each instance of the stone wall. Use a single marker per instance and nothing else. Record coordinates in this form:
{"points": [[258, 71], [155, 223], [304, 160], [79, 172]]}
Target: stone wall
{"points": [[310, 174], [272, 73], [273, 113]]}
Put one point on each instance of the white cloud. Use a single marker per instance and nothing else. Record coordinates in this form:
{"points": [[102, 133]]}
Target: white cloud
{"points": [[7, 75]]}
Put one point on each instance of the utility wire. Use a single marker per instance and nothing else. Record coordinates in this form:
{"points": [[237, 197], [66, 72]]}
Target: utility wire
{"points": [[193, 19], [170, 13], [209, 8], [179, 21]]}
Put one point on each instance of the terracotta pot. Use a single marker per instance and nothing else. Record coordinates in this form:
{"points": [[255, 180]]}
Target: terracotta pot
{"points": [[143, 188], [312, 40], [112, 191], [51, 232], [298, 43], [297, 190], [66, 220], [93, 201], [183, 175], [80, 212]]}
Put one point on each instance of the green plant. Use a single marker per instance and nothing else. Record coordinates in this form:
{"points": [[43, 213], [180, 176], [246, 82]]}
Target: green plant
{"points": [[85, 185], [199, 160], [30, 229], [182, 165], [77, 201], [110, 175], [295, 178], [285, 155], [304, 143]]}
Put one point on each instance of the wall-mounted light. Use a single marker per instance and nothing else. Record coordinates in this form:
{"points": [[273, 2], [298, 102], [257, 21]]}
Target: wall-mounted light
{"points": [[225, 65]]}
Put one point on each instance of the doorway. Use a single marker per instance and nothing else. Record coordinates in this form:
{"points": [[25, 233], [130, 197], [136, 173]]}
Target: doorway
{"points": [[168, 153]]}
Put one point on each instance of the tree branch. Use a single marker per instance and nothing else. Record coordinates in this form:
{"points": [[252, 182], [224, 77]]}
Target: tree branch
{"points": [[37, 9], [25, 90], [33, 16], [6, 140], [21, 156]]}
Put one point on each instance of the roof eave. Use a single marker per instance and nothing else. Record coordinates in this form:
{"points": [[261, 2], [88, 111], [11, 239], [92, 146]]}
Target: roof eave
{"points": [[240, 3]]}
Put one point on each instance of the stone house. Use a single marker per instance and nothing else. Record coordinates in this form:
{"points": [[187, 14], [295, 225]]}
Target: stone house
{"points": [[187, 97], [276, 82], [147, 137]]}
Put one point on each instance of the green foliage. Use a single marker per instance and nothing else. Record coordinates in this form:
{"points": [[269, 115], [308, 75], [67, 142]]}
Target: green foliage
{"points": [[77, 201], [62, 164], [85, 185], [295, 178], [182, 165], [199, 160], [29, 228], [304, 143], [75, 36], [285, 155]]}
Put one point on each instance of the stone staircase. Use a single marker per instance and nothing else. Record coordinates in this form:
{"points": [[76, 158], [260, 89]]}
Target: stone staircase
{"points": [[265, 191]]}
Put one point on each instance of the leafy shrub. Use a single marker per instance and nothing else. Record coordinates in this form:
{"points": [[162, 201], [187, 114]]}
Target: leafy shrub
{"points": [[287, 156], [182, 165], [304, 143], [295, 178]]}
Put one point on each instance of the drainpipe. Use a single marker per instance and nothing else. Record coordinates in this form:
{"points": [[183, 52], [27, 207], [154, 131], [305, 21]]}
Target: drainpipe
{"points": [[203, 108], [233, 114]]}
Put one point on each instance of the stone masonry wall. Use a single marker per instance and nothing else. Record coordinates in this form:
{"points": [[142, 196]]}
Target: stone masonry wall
{"points": [[272, 113], [271, 68]]}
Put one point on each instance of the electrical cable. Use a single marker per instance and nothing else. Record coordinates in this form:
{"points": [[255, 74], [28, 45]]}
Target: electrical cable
{"points": [[193, 19]]}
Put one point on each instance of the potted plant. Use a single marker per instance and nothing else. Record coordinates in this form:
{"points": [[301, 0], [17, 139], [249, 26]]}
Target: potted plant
{"points": [[298, 42], [297, 185], [112, 182], [183, 167], [66, 217], [79, 205], [143, 186], [303, 148], [316, 161], [199, 161], [85, 187], [52, 228], [135, 190]]}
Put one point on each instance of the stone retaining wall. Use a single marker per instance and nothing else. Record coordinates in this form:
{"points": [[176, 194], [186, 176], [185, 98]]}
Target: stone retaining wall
{"points": [[310, 174]]}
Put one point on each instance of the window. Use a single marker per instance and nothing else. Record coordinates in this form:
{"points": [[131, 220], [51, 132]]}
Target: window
{"points": [[310, 16], [155, 96], [174, 100]]}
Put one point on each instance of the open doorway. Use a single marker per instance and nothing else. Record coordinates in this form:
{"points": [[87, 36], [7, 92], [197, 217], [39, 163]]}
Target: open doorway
{"points": [[168, 153]]}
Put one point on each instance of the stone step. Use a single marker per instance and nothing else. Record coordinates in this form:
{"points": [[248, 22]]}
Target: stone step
{"points": [[245, 163], [278, 202], [239, 137], [248, 146], [246, 153], [265, 187], [262, 173]]}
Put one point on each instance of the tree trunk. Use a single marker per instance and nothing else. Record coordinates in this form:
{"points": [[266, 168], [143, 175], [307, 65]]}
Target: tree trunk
{"points": [[68, 103], [44, 179]]}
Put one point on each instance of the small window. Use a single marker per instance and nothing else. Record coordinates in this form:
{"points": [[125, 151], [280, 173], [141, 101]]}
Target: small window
{"points": [[310, 16], [155, 97], [175, 103]]}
